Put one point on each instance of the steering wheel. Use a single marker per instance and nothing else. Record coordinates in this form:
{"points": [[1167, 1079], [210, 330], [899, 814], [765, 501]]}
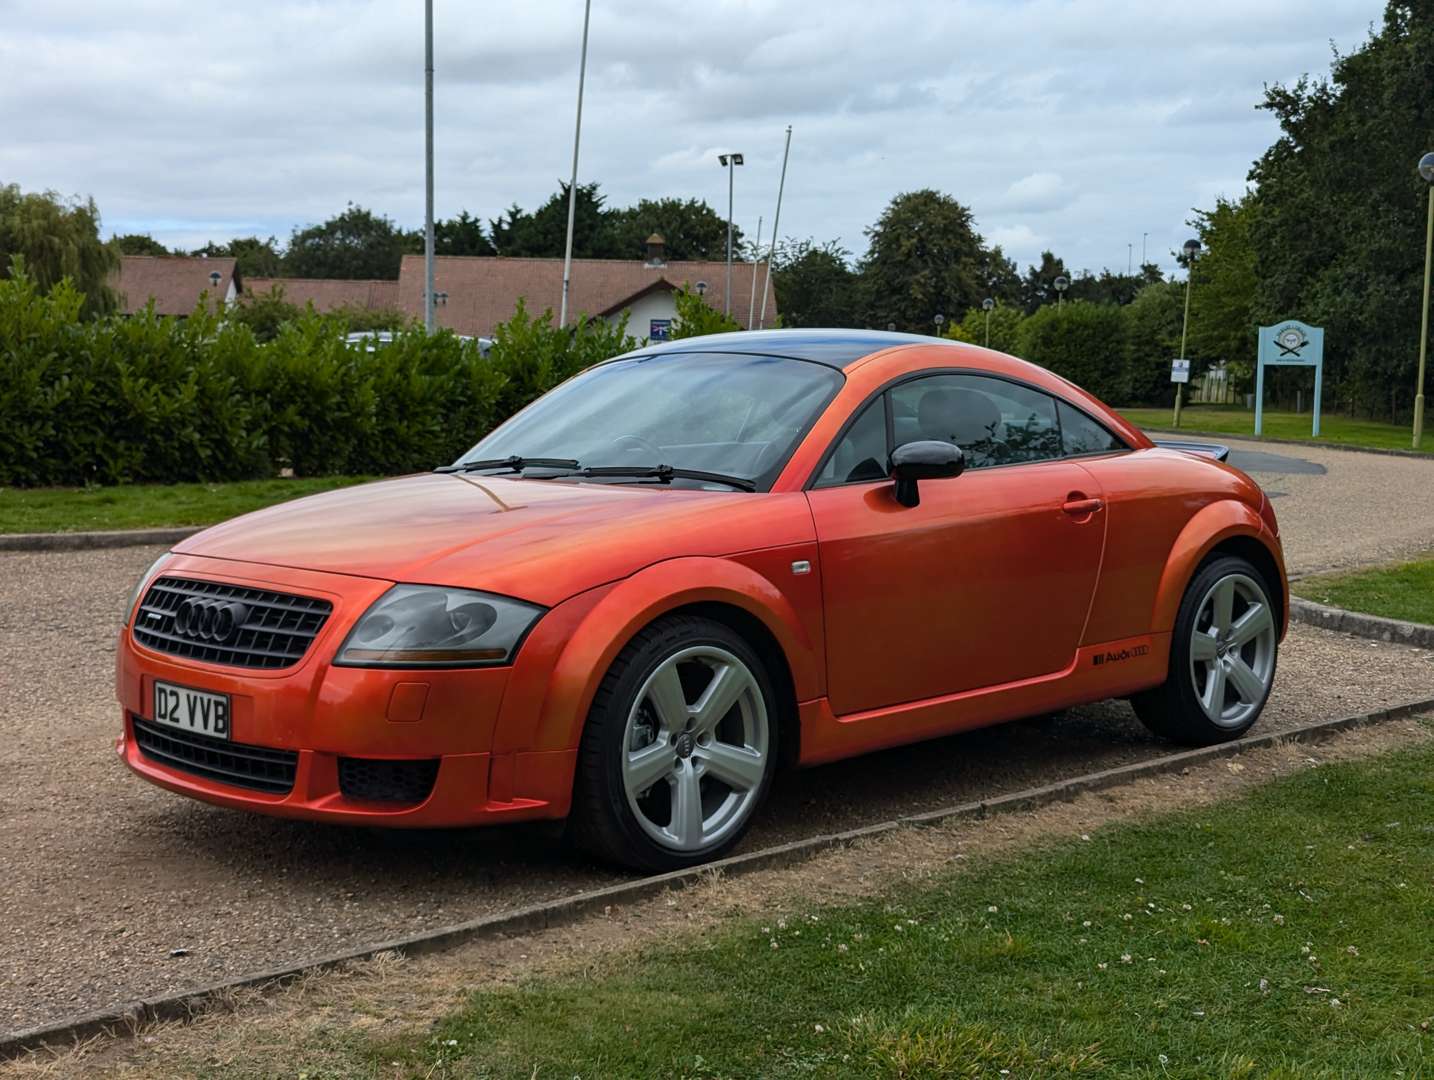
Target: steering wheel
{"points": [[641, 443]]}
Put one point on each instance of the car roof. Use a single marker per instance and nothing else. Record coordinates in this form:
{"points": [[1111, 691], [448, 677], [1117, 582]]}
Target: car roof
{"points": [[834, 348]]}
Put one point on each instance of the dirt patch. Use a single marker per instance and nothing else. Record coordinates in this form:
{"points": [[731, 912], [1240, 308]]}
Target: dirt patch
{"points": [[260, 1033]]}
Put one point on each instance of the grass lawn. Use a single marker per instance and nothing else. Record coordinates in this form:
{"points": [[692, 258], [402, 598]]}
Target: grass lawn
{"points": [[140, 506], [1286, 934], [1405, 591], [1234, 420]]}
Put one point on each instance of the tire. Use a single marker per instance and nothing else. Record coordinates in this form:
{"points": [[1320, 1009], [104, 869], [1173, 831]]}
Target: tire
{"points": [[1223, 654], [668, 775]]}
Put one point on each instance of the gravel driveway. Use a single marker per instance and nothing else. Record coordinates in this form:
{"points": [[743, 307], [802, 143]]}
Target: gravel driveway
{"points": [[105, 877], [1339, 509]]}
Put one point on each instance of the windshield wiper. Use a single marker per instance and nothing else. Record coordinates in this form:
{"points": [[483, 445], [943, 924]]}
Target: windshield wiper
{"points": [[512, 463], [665, 474]]}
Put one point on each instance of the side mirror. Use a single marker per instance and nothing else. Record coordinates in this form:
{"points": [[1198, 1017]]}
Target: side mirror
{"points": [[927, 460]]}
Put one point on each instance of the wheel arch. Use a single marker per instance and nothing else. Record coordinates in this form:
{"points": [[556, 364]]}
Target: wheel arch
{"points": [[1227, 526], [721, 589]]}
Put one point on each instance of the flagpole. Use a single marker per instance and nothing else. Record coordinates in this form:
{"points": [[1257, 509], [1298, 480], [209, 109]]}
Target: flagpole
{"points": [[428, 312], [752, 303], [781, 186], [573, 185]]}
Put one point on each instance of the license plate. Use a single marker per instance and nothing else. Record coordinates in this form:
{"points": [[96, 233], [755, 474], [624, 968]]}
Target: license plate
{"points": [[197, 711]]}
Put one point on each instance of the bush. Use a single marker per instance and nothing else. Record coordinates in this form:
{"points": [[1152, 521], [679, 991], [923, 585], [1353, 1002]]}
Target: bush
{"points": [[696, 317], [1005, 323], [156, 399], [1083, 342]]}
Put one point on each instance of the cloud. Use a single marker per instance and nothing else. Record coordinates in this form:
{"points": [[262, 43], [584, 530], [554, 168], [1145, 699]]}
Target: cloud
{"points": [[1038, 192], [1073, 126]]}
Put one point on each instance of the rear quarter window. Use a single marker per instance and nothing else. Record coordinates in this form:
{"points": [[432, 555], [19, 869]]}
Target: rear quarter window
{"points": [[1080, 434]]}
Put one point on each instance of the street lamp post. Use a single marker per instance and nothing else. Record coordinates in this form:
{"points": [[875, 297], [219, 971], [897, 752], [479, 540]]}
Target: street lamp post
{"points": [[1426, 170], [1061, 284], [428, 248], [730, 163], [1191, 249], [987, 304]]}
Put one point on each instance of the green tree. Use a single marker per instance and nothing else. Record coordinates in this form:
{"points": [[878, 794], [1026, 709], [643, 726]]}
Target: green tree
{"points": [[462, 235], [689, 227], [1105, 287], [1038, 286], [1000, 277], [252, 257], [356, 243], [1222, 324], [138, 244], [815, 284], [925, 259], [543, 233], [55, 239], [1338, 219], [1152, 337]]}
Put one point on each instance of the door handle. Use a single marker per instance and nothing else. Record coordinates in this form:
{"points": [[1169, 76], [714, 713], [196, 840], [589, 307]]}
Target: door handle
{"points": [[1077, 505]]}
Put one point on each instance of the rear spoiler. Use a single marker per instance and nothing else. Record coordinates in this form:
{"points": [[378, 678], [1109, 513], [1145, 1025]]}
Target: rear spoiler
{"points": [[1203, 449]]}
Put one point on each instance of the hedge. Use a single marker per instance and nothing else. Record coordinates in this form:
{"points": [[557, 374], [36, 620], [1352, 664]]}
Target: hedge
{"points": [[156, 399], [1121, 354]]}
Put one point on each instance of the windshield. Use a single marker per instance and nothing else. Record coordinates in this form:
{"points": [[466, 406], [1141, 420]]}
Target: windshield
{"points": [[737, 415]]}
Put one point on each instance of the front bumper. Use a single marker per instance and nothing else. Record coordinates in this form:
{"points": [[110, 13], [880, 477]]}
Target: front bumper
{"points": [[326, 713]]}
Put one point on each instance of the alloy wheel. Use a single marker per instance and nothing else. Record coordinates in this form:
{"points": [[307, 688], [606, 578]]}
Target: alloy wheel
{"points": [[695, 748], [1232, 650]]}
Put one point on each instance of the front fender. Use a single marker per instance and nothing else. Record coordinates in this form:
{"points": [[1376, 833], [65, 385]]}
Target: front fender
{"points": [[553, 719], [1211, 526]]}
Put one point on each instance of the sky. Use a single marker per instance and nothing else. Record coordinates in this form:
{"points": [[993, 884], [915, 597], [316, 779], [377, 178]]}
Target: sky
{"points": [[1075, 125]]}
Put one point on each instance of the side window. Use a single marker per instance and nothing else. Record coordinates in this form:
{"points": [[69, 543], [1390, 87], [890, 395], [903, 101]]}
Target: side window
{"points": [[1082, 435], [861, 454], [995, 422]]}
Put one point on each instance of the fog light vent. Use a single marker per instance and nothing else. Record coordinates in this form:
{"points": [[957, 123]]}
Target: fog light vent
{"points": [[376, 780]]}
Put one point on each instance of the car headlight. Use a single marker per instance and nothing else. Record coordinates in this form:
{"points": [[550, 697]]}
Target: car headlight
{"points": [[432, 626], [144, 579]]}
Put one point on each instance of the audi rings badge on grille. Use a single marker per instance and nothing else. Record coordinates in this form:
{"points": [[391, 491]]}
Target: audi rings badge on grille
{"points": [[210, 620]]}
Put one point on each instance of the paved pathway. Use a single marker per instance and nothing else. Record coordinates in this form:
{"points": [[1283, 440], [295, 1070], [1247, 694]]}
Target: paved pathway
{"points": [[1339, 509]]}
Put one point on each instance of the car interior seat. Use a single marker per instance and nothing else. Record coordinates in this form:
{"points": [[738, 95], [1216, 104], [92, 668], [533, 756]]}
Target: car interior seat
{"points": [[965, 417]]}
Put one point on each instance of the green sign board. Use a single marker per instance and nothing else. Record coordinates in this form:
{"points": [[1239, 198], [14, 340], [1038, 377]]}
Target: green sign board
{"points": [[1289, 344]]}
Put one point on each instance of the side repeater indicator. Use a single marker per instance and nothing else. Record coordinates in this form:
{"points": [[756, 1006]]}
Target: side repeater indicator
{"points": [[801, 566]]}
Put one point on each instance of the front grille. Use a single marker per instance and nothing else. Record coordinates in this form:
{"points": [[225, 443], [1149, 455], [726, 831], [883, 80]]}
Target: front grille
{"points": [[275, 631], [373, 780], [257, 767]]}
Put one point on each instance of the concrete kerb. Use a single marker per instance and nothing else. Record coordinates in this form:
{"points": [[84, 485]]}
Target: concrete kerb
{"points": [[91, 541], [1356, 622], [130, 1017]]}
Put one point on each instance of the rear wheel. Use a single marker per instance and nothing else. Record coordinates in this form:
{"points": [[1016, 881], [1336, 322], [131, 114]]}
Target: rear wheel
{"points": [[678, 750], [1222, 658]]}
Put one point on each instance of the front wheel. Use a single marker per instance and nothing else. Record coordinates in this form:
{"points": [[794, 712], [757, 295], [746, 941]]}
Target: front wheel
{"points": [[678, 750], [1222, 658]]}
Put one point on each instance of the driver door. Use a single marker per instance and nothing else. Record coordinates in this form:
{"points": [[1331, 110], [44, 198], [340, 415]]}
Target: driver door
{"points": [[987, 581]]}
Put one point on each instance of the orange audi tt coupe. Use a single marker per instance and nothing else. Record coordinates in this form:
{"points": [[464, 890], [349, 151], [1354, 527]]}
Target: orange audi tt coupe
{"points": [[684, 567]]}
